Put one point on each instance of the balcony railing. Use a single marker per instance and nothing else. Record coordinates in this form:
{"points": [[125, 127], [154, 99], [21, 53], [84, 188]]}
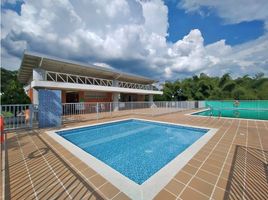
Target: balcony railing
{"points": [[71, 78], [134, 85]]}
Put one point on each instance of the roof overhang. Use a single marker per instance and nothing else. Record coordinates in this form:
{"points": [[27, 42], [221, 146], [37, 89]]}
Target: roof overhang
{"points": [[33, 60], [84, 87]]}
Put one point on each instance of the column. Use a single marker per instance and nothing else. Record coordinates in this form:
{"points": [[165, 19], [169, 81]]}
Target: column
{"points": [[116, 101], [151, 99], [38, 75]]}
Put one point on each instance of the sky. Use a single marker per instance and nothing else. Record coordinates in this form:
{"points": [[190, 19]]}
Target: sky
{"points": [[164, 40]]}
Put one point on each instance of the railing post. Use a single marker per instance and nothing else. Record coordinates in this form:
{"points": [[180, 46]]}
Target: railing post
{"points": [[2, 128], [97, 109], [31, 115], [110, 109]]}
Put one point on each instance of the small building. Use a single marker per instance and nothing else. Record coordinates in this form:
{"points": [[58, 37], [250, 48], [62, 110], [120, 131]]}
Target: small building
{"points": [[81, 82]]}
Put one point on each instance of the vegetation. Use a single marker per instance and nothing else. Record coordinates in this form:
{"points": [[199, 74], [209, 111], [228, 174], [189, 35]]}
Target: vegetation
{"points": [[203, 87], [12, 91], [200, 87]]}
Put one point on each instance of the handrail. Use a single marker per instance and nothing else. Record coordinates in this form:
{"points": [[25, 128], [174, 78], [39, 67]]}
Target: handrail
{"points": [[79, 79]]}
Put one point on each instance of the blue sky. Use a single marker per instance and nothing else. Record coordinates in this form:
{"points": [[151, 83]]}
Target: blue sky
{"points": [[213, 28], [162, 39]]}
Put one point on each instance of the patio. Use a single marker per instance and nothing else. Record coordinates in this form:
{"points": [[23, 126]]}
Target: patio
{"points": [[232, 165]]}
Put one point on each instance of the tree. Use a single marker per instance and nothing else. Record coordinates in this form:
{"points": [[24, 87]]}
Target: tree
{"points": [[203, 87], [12, 91]]}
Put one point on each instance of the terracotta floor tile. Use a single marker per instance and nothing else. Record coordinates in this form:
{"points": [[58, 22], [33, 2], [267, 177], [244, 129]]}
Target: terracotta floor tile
{"points": [[210, 168], [200, 156], [109, 190], [88, 172], [195, 163], [79, 191], [97, 180], [183, 177], [201, 186], [219, 194], [207, 176], [121, 196], [164, 195], [174, 187], [190, 194], [216, 163], [189, 169], [222, 183]]}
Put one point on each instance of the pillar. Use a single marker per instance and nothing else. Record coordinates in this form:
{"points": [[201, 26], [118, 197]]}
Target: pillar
{"points": [[35, 97], [151, 99], [116, 101], [38, 75]]}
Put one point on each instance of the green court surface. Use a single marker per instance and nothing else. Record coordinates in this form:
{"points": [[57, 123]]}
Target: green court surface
{"points": [[237, 109]]}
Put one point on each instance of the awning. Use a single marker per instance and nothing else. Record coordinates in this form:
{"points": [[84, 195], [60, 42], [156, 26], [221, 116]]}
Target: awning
{"points": [[33, 60]]}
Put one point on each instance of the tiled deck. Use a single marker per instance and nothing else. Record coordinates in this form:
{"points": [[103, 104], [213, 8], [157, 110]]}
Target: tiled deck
{"points": [[232, 165]]}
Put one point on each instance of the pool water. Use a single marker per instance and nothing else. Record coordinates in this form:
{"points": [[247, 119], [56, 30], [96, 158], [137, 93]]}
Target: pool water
{"points": [[135, 148], [242, 109]]}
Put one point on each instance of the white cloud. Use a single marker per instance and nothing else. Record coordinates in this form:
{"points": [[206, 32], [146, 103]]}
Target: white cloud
{"points": [[231, 11], [128, 35], [104, 65]]}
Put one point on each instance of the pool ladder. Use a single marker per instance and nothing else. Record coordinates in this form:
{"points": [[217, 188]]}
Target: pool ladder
{"points": [[211, 112]]}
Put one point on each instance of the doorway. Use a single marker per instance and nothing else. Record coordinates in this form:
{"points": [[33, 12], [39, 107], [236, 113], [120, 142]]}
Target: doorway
{"points": [[72, 97]]}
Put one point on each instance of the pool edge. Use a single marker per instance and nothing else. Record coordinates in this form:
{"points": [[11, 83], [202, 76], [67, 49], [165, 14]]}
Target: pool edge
{"points": [[149, 188]]}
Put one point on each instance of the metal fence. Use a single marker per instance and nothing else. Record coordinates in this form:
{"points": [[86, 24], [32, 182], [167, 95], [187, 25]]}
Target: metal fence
{"points": [[86, 110], [19, 116], [26, 115]]}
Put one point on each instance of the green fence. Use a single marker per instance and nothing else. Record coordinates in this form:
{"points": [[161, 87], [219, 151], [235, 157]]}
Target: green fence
{"points": [[237, 109], [250, 105]]}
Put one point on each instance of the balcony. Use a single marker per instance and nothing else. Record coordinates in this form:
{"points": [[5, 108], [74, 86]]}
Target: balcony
{"points": [[86, 80]]}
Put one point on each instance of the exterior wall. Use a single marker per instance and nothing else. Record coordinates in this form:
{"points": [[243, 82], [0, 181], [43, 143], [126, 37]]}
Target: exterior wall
{"points": [[133, 97], [63, 96], [81, 96], [107, 98], [141, 97]]}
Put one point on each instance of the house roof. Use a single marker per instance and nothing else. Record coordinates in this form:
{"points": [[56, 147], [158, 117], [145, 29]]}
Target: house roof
{"points": [[33, 60]]}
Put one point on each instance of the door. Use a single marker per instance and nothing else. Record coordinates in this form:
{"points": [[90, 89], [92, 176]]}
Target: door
{"points": [[72, 97]]}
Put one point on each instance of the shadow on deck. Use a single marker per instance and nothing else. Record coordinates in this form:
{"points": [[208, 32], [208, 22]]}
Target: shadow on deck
{"points": [[248, 180], [46, 185]]}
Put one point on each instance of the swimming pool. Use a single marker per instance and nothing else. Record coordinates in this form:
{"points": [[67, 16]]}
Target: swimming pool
{"points": [[236, 109], [132, 153], [236, 113]]}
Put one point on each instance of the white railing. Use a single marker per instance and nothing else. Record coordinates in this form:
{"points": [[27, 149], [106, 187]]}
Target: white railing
{"points": [[19, 116], [87, 110], [134, 85], [26, 115], [71, 78]]}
